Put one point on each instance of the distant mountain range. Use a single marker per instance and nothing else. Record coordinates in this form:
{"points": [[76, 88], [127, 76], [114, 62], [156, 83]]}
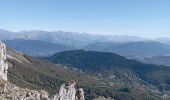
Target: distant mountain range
{"points": [[72, 39], [140, 49], [36, 47], [43, 43], [130, 50], [159, 60], [164, 40]]}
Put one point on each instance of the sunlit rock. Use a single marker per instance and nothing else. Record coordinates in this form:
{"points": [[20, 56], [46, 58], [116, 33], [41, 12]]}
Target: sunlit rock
{"points": [[68, 92], [3, 62]]}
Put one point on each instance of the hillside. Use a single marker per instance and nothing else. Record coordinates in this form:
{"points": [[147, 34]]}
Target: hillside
{"points": [[112, 64], [30, 73], [36, 47], [10, 91]]}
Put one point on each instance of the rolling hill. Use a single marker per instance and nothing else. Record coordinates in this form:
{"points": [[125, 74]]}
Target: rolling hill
{"points": [[132, 49], [140, 49], [100, 46], [112, 64]]}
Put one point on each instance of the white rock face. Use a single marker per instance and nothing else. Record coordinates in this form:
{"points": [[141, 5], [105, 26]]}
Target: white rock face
{"points": [[3, 62], [80, 94], [68, 92]]}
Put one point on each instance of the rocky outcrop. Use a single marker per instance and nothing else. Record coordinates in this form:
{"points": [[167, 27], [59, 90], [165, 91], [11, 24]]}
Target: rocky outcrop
{"points": [[12, 92], [67, 91], [3, 62]]}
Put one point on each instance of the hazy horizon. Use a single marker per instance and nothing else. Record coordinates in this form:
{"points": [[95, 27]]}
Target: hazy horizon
{"points": [[142, 18], [119, 35]]}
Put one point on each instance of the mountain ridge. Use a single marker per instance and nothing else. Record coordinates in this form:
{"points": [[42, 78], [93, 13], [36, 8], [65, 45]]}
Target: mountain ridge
{"points": [[141, 48], [74, 39], [36, 47]]}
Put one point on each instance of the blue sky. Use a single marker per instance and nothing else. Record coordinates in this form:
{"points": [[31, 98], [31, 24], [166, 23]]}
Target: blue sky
{"points": [[145, 18]]}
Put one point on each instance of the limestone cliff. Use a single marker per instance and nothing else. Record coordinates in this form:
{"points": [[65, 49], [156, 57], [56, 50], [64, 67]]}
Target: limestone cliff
{"points": [[3, 62]]}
